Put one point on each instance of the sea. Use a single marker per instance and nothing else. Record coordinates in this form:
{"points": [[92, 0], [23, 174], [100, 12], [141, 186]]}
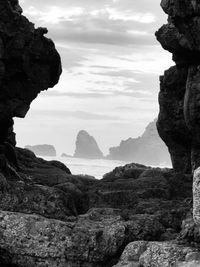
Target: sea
{"points": [[93, 167]]}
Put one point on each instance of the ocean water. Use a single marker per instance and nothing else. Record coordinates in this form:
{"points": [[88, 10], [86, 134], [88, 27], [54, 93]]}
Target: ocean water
{"points": [[93, 167]]}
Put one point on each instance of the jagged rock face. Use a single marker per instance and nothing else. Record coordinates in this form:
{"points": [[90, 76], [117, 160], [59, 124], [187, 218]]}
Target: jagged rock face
{"points": [[171, 123], [179, 119], [29, 63], [87, 147], [158, 254], [53, 218]]}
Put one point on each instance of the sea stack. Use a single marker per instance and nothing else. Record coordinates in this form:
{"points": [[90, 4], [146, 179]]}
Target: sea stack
{"points": [[179, 98], [87, 147]]}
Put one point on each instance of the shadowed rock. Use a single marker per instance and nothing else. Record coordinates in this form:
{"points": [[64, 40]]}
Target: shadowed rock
{"points": [[179, 98], [29, 64], [179, 120]]}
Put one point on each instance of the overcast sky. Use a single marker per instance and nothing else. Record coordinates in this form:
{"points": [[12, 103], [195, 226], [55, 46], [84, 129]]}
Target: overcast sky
{"points": [[111, 66]]}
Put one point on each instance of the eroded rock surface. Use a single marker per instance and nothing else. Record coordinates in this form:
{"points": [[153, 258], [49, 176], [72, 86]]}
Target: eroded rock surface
{"points": [[49, 217], [158, 254], [178, 122], [29, 64], [53, 218]]}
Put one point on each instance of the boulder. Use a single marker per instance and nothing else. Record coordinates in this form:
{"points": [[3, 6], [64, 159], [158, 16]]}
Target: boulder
{"points": [[158, 254], [32, 240]]}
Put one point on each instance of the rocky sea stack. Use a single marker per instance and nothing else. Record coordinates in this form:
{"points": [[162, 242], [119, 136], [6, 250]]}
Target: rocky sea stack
{"points": [[135, 215], [87, 147]]}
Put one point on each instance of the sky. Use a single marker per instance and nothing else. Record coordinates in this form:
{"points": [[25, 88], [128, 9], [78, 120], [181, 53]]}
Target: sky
{"points": [[111, 65]]}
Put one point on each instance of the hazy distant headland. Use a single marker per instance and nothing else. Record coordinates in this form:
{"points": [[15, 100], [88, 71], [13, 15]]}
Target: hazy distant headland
{"points": [[148, 149], [43, 150]]}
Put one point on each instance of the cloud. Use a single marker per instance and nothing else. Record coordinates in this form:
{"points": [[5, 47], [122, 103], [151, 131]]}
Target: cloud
{"points": [[103, 37], [99, 94], [79, 114], [75, 94], [98, 24], [118, 73]]}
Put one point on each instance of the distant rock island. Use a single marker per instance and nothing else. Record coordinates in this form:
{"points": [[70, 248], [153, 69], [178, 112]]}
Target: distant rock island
{"points": [[147, 149], [43, 150], [64, 155], [87, 147]]}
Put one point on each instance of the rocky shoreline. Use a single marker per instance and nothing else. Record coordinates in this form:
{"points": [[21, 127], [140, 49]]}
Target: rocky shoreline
{"points": [[136, 215], [50, 217]]}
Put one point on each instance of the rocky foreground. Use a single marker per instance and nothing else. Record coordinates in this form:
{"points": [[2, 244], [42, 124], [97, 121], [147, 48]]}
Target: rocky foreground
{"points": [[136, 215], [132, 217]]}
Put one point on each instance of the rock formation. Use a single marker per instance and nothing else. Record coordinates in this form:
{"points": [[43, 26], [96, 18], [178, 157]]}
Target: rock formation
{"points": [[179, 118], [87, 147], [29, 63], [53, 218], [49, 217], [178, 122], [43, 150], [149, 149]]}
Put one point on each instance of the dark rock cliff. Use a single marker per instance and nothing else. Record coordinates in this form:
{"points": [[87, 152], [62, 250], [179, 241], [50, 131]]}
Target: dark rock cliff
{"points": [[178, 122], [148, 149], [29, 64], [87, 147]]}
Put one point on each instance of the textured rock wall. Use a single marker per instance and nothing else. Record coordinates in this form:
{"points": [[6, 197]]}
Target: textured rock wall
{"points": [[179, 119], [179, 98], [29, 63]]}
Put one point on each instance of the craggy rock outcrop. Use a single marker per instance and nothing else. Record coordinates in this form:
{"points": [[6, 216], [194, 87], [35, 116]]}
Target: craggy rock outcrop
{"points": [[49, 217], [87, 147], [43, 150], [53, 218], [179, 98], [158, 254], [148, 149], [29, 64], [178, 122]]}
